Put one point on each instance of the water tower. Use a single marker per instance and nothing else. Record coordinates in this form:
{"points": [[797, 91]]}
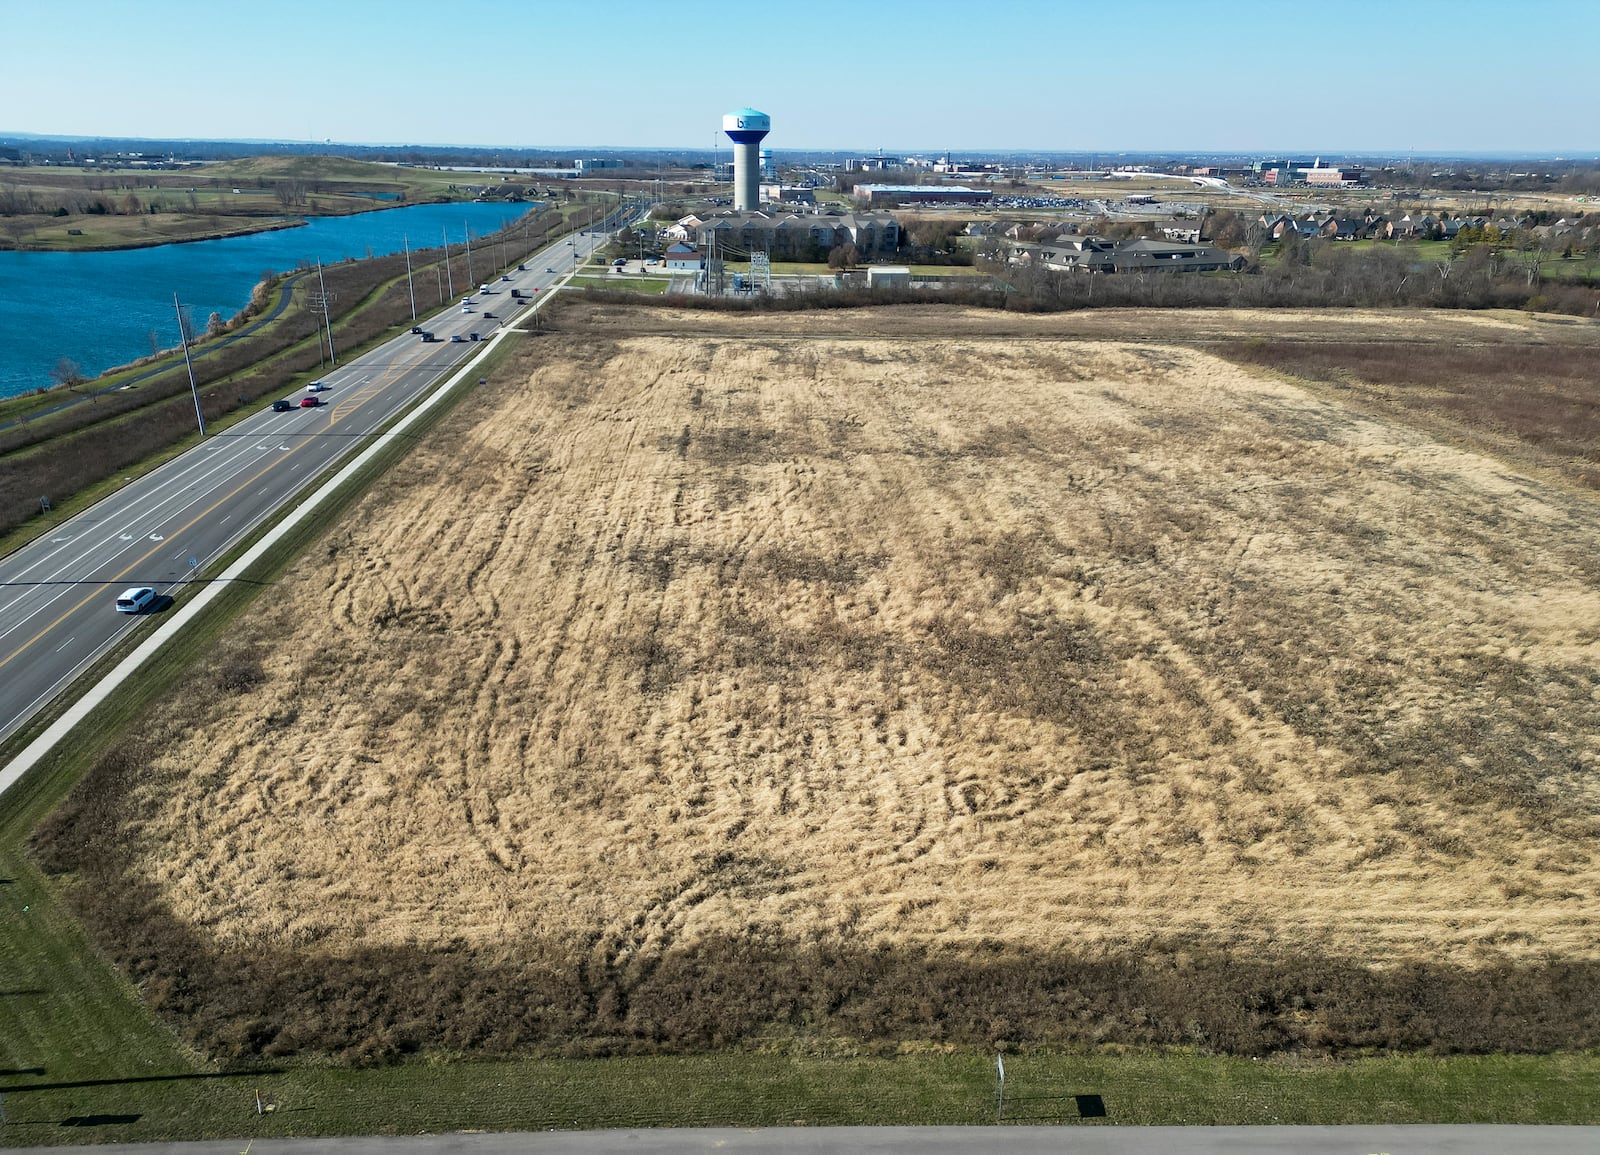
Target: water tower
{"points": [[746, 128]]}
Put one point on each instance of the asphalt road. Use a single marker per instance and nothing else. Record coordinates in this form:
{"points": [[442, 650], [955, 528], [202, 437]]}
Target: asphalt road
{"points": [[1370, 1140], [57, 595]]}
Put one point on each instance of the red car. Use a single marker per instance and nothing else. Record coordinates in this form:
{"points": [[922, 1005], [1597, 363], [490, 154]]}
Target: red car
{"points": [[310, 402]]}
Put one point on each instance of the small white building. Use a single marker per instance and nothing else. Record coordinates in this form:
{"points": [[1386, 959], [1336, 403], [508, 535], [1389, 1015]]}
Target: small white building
{"points": [[888, 277], [683, 259]]}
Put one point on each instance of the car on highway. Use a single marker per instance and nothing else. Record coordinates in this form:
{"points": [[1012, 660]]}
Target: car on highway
{"points": [[316, 387], [457, 337], [505, 276], [549, 268], [136, 600], [310, 402], [427, 337], [473, 337], [417, 330], [282, 405], [488, 316]]}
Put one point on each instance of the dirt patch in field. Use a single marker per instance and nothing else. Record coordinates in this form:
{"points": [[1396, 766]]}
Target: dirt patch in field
{"points": [[815, 679]]}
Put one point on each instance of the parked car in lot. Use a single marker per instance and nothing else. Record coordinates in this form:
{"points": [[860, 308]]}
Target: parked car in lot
{"points": [[619, 262], [282, 405], [310, 402], [136, 600]]}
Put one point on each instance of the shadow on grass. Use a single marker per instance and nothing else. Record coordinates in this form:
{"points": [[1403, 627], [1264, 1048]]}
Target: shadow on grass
{"points": [[17, 1089]]}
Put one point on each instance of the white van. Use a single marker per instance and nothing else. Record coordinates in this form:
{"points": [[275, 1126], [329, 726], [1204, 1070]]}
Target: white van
{"points": [[136, 600]]}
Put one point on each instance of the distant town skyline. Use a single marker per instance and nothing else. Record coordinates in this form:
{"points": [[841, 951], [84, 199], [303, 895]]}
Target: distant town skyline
{"points": [[1423, 77]]}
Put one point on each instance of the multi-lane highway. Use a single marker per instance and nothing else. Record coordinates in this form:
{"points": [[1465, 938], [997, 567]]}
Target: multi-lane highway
{"points": [[57, 595]]}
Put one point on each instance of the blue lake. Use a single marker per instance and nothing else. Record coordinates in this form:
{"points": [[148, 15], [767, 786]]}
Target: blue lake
{"points": [[99, 308]]}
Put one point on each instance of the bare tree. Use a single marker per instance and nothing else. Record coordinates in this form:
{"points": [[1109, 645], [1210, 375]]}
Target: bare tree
{"points": [[67, 374]]}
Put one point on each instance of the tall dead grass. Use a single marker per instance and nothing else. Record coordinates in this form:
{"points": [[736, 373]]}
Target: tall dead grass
{"points": [[681, 692]]}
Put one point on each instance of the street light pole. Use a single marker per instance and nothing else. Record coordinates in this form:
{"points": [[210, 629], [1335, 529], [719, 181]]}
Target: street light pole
{"points": [[471, 280], [410, 288], [450, 279], [183, 336], [326, 320]]}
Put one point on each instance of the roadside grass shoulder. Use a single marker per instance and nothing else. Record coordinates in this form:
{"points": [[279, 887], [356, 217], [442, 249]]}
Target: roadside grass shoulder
{"points": [[68, 1019], [777, 1090]]}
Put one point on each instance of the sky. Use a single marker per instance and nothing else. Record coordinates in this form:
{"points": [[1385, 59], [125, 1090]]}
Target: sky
{"points": [[1252, 77]]}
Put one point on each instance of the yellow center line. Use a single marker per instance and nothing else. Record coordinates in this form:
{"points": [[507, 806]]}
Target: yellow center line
{"points": [[210, 509], [342, 408]]}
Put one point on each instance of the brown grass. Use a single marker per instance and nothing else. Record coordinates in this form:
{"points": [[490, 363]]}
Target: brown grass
{"points": [[681, 691]]}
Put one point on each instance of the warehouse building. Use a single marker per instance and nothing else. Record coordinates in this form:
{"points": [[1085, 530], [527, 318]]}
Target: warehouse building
{"points": [[874, 196]]}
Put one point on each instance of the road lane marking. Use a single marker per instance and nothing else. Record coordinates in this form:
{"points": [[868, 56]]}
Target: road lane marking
{"points": [[396, 374]]}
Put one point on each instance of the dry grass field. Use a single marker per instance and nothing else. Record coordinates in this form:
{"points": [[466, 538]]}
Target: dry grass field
{"points": [[703, 688]]}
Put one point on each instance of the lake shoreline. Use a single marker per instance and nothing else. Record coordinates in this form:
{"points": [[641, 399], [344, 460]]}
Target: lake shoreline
{"points": [[105, 310], [268, 224], [120, 247]]}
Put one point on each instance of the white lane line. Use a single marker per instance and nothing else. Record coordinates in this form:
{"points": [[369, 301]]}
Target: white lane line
{"points": [[223, 472], [133, 511], [13, 771], [66, 643]]}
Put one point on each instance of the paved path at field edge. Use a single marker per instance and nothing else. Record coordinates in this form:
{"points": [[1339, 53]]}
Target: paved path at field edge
{"points": [[1093, 1140]]}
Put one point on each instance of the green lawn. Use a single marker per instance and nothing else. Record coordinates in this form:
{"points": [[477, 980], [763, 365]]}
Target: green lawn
{"points": [[621, 284]]}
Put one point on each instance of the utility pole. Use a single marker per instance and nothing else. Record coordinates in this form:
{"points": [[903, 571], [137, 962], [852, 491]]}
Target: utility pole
{"points": [[471, 280], [410, 288], [448, 276], [183, 336], [326, 319]]}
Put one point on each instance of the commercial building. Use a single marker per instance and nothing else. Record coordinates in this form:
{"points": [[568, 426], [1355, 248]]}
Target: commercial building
{"points": [[788, 194], [874, 196], [1098, 255], [1284, 172]]}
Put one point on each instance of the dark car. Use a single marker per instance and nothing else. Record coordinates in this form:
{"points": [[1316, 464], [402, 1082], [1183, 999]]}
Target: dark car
{"points": [[457, 337], [473, 337], [488, 316], [417, 329], [282, 405], [310, 402], [426, 337]]}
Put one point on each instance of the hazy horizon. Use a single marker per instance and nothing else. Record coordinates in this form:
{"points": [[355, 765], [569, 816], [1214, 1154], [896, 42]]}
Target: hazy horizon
{"points": [[1228, 77]]}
